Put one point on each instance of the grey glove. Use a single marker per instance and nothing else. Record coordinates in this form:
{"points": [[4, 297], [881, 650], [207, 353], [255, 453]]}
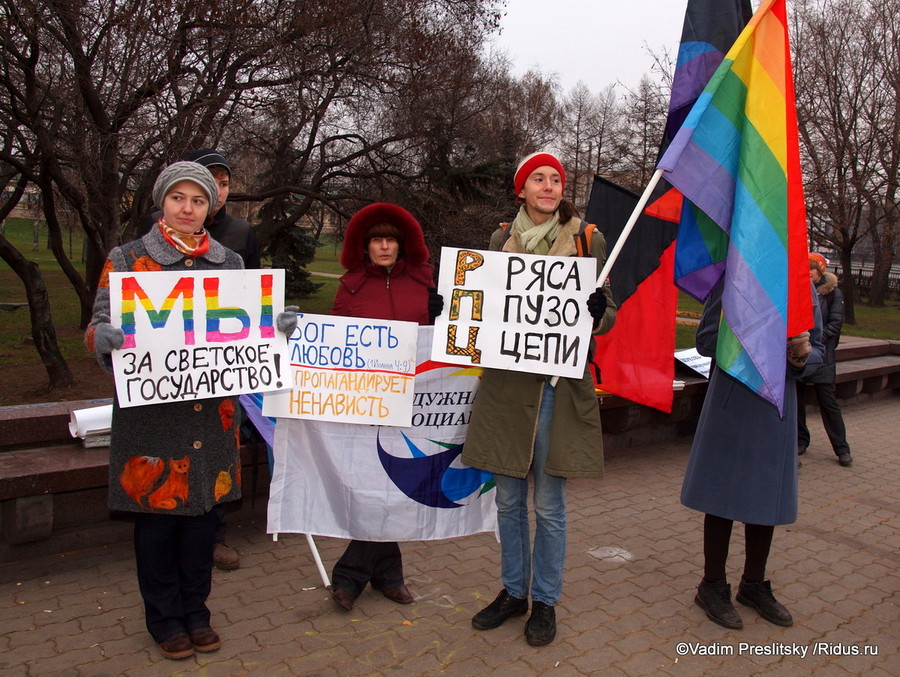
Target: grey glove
{"points": [[107, 338], [799, 350], [287, 321]]}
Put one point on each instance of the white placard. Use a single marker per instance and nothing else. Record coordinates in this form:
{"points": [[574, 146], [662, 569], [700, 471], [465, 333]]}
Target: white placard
{"points": [[196, 335], [518, 312], [691, 358], [349, 370]]}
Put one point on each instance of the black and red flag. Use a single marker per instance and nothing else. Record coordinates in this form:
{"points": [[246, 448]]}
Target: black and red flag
{"points": [[636, 358]]}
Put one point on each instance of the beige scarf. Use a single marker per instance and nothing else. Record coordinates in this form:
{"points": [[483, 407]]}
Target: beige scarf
{"points": [[535, 239]]}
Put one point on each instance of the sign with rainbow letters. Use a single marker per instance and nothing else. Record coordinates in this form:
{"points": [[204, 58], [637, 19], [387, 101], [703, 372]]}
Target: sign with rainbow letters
{"points": [[197, 335]]}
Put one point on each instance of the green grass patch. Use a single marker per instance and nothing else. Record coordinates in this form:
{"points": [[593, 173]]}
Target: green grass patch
{"points": [[880, 323], [687, 304]]}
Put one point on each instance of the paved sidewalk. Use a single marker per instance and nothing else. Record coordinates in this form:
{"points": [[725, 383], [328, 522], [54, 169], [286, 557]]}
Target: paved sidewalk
{"points": [[634, 560]]}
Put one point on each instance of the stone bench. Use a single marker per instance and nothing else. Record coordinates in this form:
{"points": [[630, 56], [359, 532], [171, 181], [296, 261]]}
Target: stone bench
{"points": [[53, 490]]}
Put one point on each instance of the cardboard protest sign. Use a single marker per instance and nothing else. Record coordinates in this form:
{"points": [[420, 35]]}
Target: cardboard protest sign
{"points": [[515, 311], [195, 335], [349, 370]]}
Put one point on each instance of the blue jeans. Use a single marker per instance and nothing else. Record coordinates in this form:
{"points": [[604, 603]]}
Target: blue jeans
{"points": [[549, 553]]}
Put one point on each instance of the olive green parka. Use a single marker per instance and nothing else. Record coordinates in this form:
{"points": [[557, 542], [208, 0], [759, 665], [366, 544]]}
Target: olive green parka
{"points": [[502, 430]]}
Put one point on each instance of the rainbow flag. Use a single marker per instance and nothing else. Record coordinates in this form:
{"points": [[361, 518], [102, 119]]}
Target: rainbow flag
{"points": [[737, 159]]}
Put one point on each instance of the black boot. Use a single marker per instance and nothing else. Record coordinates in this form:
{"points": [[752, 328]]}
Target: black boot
{"points": [[715, 599], [497, 612], [541, 626], [759, 596]]}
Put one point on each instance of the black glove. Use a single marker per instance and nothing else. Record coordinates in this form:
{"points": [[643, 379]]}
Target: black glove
{"points": [[435, 303], [596, 304]]}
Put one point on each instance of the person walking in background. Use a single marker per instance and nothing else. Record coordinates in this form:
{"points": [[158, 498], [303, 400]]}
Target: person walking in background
{"points": [[238, 236], [522, 423], [743, 467], [193, 444], [831, 303], [388, 278]]}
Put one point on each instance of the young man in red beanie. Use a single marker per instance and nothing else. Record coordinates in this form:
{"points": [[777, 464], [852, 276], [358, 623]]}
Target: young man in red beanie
{"points": [[525, 423]]}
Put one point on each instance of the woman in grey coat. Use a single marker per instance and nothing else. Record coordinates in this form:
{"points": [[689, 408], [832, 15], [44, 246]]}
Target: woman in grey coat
{"points": [[743, 467], [171, 464]]}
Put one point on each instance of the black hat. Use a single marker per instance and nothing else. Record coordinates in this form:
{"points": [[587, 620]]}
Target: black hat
{"points": [[209, 157]]}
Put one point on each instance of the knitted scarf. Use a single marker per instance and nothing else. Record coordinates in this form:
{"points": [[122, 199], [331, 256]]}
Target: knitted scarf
{"points": [[191, 245], [536, 239]]}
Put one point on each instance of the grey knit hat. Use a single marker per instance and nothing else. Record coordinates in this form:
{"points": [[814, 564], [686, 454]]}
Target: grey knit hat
{"points": [[185, 171]]}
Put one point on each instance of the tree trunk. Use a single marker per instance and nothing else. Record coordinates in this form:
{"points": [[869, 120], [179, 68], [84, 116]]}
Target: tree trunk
{"points": [[54, 234], [881, 271], [42, 330], [848, 286]]}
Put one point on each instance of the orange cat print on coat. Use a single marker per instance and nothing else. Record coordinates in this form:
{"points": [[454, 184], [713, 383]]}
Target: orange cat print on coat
{"points": [[174, 488], [104, 274], [141, 473], [144, 263]]}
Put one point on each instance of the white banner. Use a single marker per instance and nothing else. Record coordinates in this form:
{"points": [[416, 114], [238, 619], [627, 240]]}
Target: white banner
{"points": [[378, 483], [349, 370], [515, 311], [182, 342]]}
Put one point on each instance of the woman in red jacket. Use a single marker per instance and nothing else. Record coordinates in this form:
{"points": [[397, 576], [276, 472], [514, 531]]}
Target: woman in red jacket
{"points": [[388, 278]]}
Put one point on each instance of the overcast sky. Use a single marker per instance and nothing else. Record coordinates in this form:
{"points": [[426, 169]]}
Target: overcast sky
{"points": [[595, 41]]}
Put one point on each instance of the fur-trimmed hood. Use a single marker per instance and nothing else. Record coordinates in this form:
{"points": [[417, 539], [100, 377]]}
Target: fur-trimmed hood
{"points": [[413, 249], [827, 284]]}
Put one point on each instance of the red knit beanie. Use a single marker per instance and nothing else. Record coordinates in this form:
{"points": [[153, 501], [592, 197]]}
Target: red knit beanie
{"points": [[532, 162]]}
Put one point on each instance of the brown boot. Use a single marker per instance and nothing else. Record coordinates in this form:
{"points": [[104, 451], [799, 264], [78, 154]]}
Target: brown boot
{"points": [[205, 640], [400, 594], [225, 557], [177, 647]]}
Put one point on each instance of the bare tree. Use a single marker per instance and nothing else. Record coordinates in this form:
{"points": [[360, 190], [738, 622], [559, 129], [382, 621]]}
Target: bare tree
{"points": [[645, 110], [96, 95], [579, 123], [609, 124], [848, 105]]}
